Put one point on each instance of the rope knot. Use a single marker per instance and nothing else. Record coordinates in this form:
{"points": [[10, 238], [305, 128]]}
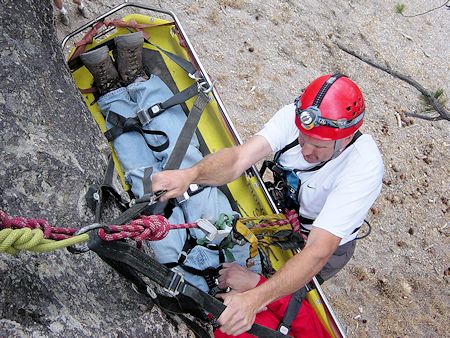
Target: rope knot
{"points": [[156, 227]]}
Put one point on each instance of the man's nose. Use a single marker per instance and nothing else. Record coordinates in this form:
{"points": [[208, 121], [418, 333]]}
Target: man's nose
{"points": [[307, 149]]}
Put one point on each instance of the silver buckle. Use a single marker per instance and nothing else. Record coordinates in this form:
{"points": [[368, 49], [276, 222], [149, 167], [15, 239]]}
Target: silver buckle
{"points": [[143, 117], [175, 284], [155, 109], [283, 330]]}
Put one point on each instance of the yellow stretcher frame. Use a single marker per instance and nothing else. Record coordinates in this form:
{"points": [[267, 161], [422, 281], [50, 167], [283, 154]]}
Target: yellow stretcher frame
{"points": [[215, 126]]}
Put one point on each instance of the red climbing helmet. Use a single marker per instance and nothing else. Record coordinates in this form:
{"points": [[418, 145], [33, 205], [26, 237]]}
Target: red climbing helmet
{"points": [[330, 108]]}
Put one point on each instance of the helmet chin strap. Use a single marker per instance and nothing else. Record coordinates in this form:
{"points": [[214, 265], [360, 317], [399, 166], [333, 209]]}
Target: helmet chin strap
{"points": [[337, 149]]}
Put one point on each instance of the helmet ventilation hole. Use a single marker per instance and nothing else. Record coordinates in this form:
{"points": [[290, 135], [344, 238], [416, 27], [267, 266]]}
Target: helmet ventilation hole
{"points": [[348, 108]]}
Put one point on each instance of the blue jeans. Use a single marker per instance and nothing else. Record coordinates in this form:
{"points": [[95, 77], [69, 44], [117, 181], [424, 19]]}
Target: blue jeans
{"points": [[135, 156]]}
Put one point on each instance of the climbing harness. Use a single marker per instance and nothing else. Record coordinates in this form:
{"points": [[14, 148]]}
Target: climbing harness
{"points": [[285, 187]]}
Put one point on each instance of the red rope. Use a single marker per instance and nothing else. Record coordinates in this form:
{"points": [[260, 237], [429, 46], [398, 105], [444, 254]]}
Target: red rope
{"points": [[49, 231], [153, 228], [291, 218], [89, 36]]}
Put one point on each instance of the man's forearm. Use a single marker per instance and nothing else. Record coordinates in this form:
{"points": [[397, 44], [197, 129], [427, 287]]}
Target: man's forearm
{"points": [[217, 168]]}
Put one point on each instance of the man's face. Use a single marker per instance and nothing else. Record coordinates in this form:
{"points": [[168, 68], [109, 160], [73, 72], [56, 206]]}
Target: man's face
{"points": [[315, 150]]}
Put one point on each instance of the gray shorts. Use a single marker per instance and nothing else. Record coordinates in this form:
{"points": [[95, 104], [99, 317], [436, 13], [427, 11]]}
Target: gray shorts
{"points": [[337, 261]]}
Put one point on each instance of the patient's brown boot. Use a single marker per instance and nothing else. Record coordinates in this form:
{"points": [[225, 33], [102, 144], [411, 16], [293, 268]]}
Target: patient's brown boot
{"points": [[129, 56], [102, 68]]}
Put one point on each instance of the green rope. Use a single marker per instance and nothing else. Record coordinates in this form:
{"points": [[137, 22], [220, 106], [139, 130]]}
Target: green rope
{"points": [[15, 240]]}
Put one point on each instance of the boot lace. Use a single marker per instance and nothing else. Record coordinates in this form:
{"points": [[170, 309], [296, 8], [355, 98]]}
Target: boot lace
{"points": [[134, 65], [105, 80]]}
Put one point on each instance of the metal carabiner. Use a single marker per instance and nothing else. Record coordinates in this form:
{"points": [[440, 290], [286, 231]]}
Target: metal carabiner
{"points": [[205, 87], [194, 77], [81, 248]]}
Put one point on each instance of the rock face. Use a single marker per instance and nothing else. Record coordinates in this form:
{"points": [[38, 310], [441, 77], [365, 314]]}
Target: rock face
{"points": [[51, 150]]}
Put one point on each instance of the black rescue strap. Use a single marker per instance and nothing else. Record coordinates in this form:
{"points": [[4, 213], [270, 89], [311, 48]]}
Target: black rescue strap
{"points": [[293, 308], [183, 141], [148, 203], [309, 221], [123, 125], [146, 115], [187, 132], [96, 194], [130, 261], [182, 63]]}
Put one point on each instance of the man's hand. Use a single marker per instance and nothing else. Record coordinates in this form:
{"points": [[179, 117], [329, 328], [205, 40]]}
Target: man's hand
{"points": [[240, 313], [237, 277], [174, 182]]}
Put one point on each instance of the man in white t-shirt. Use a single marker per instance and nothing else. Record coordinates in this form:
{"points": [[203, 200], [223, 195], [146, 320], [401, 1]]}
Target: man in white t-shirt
{"points": [[341, 174]]}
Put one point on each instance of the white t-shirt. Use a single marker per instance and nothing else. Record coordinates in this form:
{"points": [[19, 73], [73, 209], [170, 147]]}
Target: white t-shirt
{"points": [[338, 195]]}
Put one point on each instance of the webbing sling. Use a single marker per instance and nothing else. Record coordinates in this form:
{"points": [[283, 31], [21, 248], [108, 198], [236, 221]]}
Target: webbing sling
{"points": [[96, 194], [129, 261], [187, 132], [123, 125], [182, 63], [292, 310], [174, 162], [145, 116]]}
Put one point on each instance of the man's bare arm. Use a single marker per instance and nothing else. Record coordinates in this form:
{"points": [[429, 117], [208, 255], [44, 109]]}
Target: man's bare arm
{"points": [[215, 169]]}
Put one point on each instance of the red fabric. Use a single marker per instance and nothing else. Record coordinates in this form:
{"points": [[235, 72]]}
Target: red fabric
{"points": [[306, 324]]}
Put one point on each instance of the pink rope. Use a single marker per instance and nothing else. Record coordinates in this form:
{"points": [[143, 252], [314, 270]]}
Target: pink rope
{"points": [[49, 231], [291, 218], [153, 228]]}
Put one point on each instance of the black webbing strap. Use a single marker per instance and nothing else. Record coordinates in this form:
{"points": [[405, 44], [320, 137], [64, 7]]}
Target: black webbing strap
{"points": [[183, 141], [125, 257], [96, 194], [169, 305], [277, 155], [309, 221], [147, 180], [145, 116], [187, 132], [184, 64], [294, 305], [123, 125], [144, 205], [286, 148], [174, 162]]}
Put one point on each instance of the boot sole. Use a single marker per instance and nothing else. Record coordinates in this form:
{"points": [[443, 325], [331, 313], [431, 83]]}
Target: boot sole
{"points": [[130, 40], [95, 56]]}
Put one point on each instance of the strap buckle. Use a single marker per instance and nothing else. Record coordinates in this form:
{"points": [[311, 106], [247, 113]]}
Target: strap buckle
{"points": [[283, 329], [143, 116], [156, 109], [192, 190], [175, 284]]}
